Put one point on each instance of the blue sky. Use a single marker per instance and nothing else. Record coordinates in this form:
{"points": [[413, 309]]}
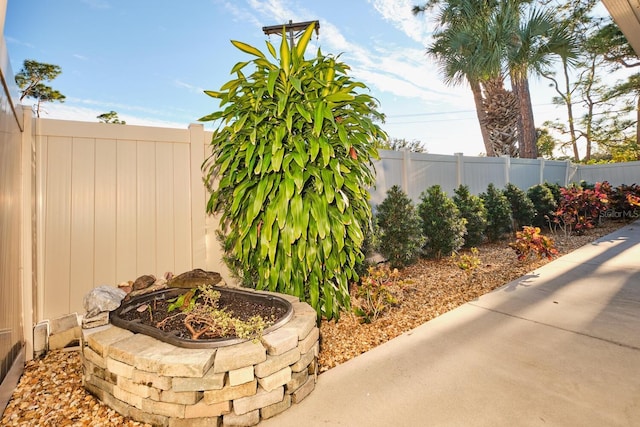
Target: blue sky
{"points": [[151, 60]]}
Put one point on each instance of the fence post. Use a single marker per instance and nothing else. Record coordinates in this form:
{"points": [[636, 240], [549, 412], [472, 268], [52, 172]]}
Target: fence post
{"points": [[28, 266], [507, 168], [459, 169], [198, 197], [567, 172], [405, 170], [542, 165]]}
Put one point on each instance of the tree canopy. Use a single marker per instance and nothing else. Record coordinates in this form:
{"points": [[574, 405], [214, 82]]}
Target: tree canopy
{"points": [[30, 81], [110, 117]]}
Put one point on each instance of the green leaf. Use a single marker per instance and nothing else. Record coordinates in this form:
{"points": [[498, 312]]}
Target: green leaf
{"points": [[273, 244], [301, 46], [288, 188], [285, 55], [295, 82], [272, 50], [271, 81], [214, 94], [318, 119], [314, 291], [247, 48], [339, 97], [239, 66], [314, 149], [276, 160], [303, 112]]}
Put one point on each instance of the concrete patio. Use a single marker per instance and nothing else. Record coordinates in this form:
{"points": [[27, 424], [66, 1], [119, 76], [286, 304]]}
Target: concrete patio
{"points": [[559, 346]]}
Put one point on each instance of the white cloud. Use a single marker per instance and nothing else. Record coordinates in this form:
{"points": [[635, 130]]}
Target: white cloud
{"points": [[189, 87], [13, 40], [241, 15], [382, 65], [399, 13], [274, 9], [71, 111]]}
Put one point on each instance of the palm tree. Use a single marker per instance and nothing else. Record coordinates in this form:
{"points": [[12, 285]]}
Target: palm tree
{"points": [[481, 41], [531, 47], [459, 48]]}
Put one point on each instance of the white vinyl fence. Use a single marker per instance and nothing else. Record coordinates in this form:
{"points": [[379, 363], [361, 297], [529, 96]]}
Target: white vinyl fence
{"points": [[415, 172], [114, 202]]}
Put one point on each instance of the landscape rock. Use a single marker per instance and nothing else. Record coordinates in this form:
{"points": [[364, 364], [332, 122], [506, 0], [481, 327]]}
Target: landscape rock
{"points": [[144, 282], [102, 298], [195, 278]]}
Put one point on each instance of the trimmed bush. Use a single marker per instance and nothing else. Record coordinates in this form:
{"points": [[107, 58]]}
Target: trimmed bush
{"points": [[472, 209], [400, 238], [498, 213], [522, 209], [442, 224], [555, 191], [544, 204]]}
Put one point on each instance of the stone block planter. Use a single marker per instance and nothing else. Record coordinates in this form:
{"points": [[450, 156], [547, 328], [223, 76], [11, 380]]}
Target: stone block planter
{"points": [[158, 383]]}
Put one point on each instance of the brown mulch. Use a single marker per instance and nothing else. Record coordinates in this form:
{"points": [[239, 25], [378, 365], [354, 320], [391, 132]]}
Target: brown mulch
{"points": [[50, 391], [50, 394], [430, 288]]}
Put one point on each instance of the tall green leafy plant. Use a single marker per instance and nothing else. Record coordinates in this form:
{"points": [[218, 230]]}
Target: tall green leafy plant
{"points": [[289, 170]]}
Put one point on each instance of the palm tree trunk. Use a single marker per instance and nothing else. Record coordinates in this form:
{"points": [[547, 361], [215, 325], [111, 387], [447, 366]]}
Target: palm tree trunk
{"points": [[527, 135], [482, 115]]}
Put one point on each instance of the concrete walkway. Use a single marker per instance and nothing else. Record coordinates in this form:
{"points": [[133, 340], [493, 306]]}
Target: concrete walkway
{"points": [[557, 347]]}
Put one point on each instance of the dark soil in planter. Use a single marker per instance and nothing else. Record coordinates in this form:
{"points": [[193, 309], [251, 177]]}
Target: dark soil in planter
{"points": [[152, 309]]}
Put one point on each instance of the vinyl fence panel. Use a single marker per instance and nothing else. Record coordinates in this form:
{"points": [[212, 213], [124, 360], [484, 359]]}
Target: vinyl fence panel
{"points": [[616, 173], [117, 203], [121, 201]]}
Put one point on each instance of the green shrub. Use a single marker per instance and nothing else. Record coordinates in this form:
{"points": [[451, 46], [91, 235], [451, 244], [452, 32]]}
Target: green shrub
{"points": [[544, 204], [472, 209], [498, 213], [522, 209], [555, 190], [400, 238], [442, 224], [289, 172]]}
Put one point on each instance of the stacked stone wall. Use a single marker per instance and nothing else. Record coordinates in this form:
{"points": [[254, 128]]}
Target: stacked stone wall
{"points": [[238, 385]]}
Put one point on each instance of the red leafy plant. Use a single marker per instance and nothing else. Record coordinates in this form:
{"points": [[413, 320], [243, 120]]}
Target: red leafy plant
{"points": [[530, 242], [580, 208]]}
